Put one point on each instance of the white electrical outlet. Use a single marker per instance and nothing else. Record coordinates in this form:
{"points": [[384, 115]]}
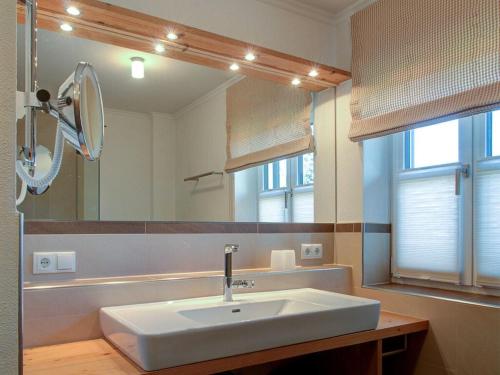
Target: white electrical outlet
{"points": [[311, 251], [54, 262], [44, 262]]}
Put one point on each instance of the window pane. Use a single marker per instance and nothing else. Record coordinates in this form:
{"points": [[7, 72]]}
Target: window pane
{"points": [[305, 169], [435, 145], [303, 206], [282, 171], [272, 208], [270, 176], [495, 133], [487, 226]]}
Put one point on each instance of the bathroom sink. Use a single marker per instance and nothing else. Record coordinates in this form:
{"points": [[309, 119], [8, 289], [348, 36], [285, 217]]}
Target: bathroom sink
{"points": [[166, 334]]}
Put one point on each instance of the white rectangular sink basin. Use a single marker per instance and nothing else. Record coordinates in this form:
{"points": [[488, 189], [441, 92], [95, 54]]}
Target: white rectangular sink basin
{"points": [[173, 333]]}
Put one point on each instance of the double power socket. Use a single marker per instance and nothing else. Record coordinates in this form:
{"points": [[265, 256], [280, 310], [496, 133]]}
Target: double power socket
{"points": [[311, 251]]}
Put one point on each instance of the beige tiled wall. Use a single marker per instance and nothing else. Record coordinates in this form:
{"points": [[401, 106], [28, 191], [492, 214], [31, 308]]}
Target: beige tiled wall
{"points": [[463, 338], [108, 255]]}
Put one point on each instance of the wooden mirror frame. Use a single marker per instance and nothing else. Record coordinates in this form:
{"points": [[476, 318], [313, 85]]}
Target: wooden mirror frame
{"points": [[123, 27]]}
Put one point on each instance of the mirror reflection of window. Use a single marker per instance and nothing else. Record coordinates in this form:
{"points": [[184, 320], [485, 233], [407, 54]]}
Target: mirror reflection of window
{"points": [[286, 190], [493, 133]]}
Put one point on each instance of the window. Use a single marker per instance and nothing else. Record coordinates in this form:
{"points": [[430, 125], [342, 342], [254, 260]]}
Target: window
{"points": [[446, 202], [286, 191], [493, 133]]}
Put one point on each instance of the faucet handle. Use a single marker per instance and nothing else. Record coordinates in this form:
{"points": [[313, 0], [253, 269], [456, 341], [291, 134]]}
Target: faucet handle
{"points": [[231, 248], [243, 284]]}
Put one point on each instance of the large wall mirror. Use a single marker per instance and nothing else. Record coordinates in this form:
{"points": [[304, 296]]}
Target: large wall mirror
{"points": [[165, 145]]}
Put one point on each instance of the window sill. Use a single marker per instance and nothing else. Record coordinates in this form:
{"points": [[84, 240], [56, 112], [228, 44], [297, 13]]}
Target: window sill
{"points": [[448, 295]]}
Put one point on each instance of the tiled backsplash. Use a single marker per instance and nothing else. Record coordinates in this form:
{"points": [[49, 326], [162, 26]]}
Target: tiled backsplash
{"points": [[109, 255]]}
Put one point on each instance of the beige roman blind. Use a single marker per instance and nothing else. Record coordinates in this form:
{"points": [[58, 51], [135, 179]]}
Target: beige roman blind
{"points": [[419, 62], [266, 121]]}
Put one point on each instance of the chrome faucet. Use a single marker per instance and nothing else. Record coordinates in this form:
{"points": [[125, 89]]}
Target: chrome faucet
{"points": [[229, 284]]}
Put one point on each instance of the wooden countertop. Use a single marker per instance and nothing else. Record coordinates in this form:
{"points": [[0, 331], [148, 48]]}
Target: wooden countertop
{"points": [[98, 357]]}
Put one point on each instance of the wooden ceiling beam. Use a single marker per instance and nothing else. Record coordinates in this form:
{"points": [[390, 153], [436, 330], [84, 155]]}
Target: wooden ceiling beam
{"points": [[123, 27]]}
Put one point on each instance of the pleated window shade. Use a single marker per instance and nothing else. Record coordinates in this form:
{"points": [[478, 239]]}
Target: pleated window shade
{"points": [[266, 121], [487, 224], [424, 204], [419, 62]]}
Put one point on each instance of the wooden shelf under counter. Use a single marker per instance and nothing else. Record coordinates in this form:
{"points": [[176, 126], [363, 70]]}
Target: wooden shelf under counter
{"points": [[357, 353]]}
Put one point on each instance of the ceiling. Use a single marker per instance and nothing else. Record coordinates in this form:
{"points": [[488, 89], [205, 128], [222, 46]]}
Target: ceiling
{"points": [[168, 85], [331, 6], [323, 9]]}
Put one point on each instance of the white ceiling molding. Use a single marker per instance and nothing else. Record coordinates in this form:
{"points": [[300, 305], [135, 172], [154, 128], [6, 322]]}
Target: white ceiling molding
{"points": [[305, 10], [346, 13], [202, 99], [318, 14]]}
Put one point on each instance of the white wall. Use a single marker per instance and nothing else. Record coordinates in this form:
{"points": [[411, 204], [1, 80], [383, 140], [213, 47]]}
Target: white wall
{"points": [[349, 162], [251, 21], [201, 148], [246, 193], [377, 177], [126, 167], [137, 168], [164, 164], [9, 249], [324, 157]]}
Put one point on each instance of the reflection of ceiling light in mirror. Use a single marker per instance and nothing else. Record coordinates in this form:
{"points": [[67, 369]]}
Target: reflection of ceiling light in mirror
{"points": [[137, 67], [295, 81], [250, 56], [172, 36], [66, 27], [313, 73], [234, 67], [159, 48], [74, 11]]}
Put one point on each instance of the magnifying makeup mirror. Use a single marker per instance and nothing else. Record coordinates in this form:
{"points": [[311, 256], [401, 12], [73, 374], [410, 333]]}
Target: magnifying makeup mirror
{"points": [[81, 111], [80, 114]]}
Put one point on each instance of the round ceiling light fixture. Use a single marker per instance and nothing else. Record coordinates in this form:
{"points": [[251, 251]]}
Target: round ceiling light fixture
{"points": [[66, 27], [74, 11], [137, 67], [250, 56]]}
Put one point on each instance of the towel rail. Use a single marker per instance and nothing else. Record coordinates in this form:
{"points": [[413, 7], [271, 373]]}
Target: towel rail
{"points": [[198, 176]]}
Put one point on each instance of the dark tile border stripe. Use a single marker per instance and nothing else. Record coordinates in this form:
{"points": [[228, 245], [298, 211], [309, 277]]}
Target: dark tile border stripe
{"points": [[137, 227], [200, 227], [296, 227], [377, 228], [84, 227]]}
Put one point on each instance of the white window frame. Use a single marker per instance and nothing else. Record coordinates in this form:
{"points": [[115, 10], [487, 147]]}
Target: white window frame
{"points": [[482, 161], [465, 214], [288, 192]]}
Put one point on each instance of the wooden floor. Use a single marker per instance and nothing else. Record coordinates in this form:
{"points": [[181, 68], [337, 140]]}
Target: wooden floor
{"points": [[98, 357]]}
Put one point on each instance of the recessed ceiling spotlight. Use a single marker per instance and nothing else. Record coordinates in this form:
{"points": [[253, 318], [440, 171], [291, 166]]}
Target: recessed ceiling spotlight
{"points": [[172, 36], [74, 11], [250, 56], [295, 81], [66, 27], [160, 48], [137, 67], [234, 67], [313, 73]]}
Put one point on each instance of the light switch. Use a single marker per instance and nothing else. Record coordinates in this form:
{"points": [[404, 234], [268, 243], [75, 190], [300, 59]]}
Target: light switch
{"points": [[66, 262]]}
